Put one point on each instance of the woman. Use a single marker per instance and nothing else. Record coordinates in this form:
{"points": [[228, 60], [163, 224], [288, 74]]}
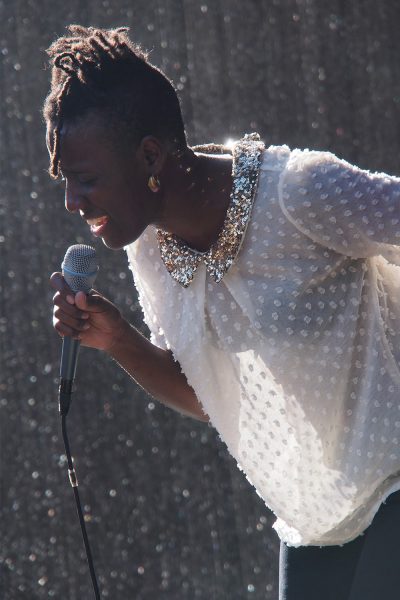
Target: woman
{"points": [[267, 278]]}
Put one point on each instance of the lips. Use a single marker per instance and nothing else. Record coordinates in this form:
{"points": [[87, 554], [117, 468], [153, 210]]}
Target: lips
{"points": [[97, 224]]}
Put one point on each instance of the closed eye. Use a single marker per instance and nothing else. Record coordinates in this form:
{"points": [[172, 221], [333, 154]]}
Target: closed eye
{"points": [[82, 179], [87, 181]]}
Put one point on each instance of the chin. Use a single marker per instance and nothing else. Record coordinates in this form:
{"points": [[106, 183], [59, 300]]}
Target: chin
{"points": [[113, 245], [120, 242]]}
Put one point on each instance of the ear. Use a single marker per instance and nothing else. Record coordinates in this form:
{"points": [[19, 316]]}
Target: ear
{"points": [[153, 154]]}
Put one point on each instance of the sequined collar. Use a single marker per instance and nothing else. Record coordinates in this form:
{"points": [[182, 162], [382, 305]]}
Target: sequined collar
{"points": [[182, 261]]}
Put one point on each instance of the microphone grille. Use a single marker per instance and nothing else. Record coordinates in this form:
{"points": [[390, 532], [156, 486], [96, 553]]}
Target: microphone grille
{"points": [[80, 267]]}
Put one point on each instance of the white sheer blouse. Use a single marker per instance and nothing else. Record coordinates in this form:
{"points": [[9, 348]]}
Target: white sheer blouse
{"points": [[294, 354]]}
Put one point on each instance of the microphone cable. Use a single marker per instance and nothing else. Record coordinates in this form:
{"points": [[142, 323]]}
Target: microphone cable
{"points": [[79, 268], [74, 483]]}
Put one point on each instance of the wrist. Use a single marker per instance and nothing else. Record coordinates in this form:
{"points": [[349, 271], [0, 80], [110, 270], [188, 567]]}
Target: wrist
{"points": [[118, 338]]}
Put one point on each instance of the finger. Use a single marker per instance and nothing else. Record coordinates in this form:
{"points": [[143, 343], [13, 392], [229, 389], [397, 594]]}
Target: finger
{"points": [[91, 303], [76, 324], [81, 300], [70, 309], [58, 283], [64, 330]]}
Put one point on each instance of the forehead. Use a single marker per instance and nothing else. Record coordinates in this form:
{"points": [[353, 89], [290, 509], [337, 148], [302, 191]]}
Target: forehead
{"points": [[85, 144]]}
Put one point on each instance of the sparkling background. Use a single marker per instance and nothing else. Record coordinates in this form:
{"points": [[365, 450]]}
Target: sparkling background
{"points": [[168, 513]]}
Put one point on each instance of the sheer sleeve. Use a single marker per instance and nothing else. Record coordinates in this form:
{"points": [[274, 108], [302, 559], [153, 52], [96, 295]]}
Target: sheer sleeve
{"points": [[144, 268], [149, 317], [338, 205]]}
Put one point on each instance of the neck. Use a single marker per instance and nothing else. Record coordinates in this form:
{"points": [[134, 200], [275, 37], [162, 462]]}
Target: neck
{"points": [[198, 188]]}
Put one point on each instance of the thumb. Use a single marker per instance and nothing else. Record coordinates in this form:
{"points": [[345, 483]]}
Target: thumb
{"points": [[89, 302]]}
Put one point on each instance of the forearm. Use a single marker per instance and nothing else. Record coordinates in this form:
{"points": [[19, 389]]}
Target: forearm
{"points": [[156, 371]]}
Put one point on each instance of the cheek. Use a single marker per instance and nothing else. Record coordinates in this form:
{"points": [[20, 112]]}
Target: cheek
{"points": [[138, 205], [132, 203]]}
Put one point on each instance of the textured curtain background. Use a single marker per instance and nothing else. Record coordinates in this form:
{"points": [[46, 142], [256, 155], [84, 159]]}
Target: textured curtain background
{"points": [[168, 513]]}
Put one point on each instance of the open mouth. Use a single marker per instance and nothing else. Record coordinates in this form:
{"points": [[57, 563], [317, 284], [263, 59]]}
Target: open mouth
{"points": [[98, 224]]}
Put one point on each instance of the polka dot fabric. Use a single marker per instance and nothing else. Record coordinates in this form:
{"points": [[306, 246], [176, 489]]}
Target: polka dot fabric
{"points": [[347, 209], [295, 353]]}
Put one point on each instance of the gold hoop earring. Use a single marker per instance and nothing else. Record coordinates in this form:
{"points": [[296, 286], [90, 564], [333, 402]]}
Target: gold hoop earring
{"points": [[154, 183]]}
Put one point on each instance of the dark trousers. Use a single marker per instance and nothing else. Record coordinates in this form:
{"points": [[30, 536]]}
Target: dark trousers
{"points": [[368, 568]]}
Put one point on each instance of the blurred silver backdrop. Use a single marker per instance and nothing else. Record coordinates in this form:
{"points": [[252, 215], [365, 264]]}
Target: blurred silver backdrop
{"points": [[168, 513]]}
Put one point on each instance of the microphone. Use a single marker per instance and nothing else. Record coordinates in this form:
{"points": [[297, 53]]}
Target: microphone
{"points": [[79, 268]]}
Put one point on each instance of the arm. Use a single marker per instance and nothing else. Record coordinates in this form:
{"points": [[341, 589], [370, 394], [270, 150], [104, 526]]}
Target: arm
{"points": [[97, 323], [156, 371]]}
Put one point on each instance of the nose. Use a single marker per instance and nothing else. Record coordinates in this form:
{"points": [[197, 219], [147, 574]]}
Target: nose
{"points": [[73, 200]]}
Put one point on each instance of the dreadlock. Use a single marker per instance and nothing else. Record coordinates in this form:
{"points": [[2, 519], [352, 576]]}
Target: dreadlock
{"points": [[101, 71]]}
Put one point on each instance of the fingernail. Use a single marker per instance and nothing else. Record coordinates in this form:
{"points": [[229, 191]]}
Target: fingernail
{"points": [[84, 316], [70, 299], [86, 326]]}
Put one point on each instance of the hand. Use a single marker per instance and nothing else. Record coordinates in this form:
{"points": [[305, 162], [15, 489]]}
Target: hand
{"points": [[92, 319]]}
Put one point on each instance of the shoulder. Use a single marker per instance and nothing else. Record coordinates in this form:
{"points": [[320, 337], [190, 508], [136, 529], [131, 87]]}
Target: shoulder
{"points": [[302, 161], [318, 170], [275, 158], [316, 161], [319, 173]]}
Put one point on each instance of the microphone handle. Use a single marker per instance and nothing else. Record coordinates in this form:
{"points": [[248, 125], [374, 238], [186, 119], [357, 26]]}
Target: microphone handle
{"points": [[69, 360]]}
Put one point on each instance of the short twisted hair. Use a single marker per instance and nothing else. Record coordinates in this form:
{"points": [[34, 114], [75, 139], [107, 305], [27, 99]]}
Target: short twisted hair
{"points": [[101, 71]]}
